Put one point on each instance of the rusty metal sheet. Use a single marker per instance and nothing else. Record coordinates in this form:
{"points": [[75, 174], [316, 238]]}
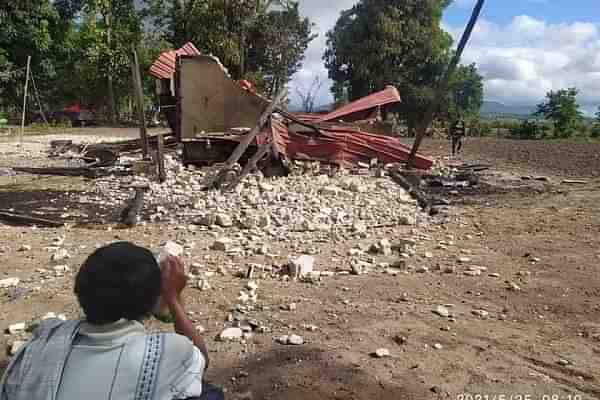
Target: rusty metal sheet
{"points": [[387, 96], [164, 66], [342, 145]]}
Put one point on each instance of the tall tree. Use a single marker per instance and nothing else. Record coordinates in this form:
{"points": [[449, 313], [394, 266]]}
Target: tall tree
{"points": [[264, 40], [399, 42], [108, 31], [276, 45], [308, 96], [465, 96], [27, 30], [562, 108]]}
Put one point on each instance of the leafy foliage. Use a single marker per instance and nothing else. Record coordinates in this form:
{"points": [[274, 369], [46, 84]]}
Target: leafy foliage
{"points": [[399, 42], [527, 130], [263, 40], [81, 48], [465, 96], [562, 108]]}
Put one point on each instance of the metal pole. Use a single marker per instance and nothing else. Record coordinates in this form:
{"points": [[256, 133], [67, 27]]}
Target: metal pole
{"points": [[25, 100], [443, 85]]}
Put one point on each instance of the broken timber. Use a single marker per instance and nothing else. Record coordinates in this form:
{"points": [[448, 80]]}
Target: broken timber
{"points": [[91, 173], [130, 214], [28, 220], [263, 150], [241, 148], [422, 199], [139, 98], [160, 155]]}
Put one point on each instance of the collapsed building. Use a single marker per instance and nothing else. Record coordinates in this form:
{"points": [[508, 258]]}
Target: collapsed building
{"points": [[210, 114]]}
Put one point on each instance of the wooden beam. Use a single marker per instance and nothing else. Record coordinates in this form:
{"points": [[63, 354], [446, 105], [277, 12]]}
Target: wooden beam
{"points": [[25, 100], [160, 155], [27, 220], [139, 98], [443, 84], [241, 148], [251, 164]]}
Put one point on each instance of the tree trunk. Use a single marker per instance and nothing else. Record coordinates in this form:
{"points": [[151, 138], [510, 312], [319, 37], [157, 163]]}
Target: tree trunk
{"points": [[112, 106], [242, 53]]}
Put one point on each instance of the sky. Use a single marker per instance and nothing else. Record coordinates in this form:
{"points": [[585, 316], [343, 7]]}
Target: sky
{"points": [[523, 48]]}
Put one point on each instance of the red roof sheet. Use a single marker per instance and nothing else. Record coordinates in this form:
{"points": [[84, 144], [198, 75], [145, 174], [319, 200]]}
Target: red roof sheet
{"points": [[389, 95], [342, 145], [164, 66]]}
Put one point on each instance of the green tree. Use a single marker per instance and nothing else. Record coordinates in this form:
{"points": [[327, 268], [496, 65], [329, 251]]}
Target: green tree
{"points": [[562, 109], [465, 96], [263, 40], [381, 42], [595, 131], [107, 32], [276, 47], [28, 29]]}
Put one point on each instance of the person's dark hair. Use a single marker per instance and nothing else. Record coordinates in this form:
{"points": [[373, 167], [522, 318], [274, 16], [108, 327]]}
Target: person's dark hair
{"points": [[117, 281]]}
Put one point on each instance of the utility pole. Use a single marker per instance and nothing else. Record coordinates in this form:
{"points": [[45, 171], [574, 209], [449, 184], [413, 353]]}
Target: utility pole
{"points": [[443, 84], [25, 100]]}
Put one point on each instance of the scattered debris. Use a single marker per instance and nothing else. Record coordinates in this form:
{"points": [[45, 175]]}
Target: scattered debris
{"points": [[480, 313], [292, 339], [301, 266], [9, 282], [16, 346], [442, 311], [231, 334], [381, 353], [28, 220], [16, 328], [222, 244]]}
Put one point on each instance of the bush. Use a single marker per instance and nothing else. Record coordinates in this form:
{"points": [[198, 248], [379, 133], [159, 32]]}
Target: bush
{"points": [[527, 130], [595, 131]]}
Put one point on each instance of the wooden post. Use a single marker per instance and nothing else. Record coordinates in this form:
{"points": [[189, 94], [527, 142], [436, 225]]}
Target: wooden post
{"points": [[443, 84], [160, 155], [25, 100], [241, 148], [139, 98], [251, 164]]}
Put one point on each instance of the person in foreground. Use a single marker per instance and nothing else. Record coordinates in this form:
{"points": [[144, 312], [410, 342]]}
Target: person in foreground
{"points": [[109, 355]]}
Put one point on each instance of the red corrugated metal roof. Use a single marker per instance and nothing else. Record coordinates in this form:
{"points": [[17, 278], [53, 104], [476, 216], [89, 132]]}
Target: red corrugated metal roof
{"points": [[387, 96], [164, 66], [342, 145]]}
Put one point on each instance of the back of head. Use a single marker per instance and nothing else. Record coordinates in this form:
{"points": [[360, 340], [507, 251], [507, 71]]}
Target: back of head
{"points": [[118, 281]]}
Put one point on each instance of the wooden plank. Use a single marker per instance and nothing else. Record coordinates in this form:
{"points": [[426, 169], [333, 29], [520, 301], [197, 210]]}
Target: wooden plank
{"points": [[139, 98], [91, 173], [251, 164], [244, 143], [422, 199], [28, 220], [443, 85], [160, 155]]}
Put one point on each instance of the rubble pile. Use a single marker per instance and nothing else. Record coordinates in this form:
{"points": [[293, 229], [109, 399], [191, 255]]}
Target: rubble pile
{"points": [[296, 203]]}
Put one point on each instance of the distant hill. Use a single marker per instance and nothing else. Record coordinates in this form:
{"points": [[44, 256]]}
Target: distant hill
{"points": [[494, 109]]}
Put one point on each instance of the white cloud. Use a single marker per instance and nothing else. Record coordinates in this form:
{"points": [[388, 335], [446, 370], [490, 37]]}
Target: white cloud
{"points": [[323, 14], [520, 60], [524, 59]]}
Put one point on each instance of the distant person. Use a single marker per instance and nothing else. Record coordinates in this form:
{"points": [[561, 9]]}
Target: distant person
{"points": [[109, 354], [457, 133]]}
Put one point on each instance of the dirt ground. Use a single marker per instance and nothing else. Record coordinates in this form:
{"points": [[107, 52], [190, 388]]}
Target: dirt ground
{"points": [[539, 242]]}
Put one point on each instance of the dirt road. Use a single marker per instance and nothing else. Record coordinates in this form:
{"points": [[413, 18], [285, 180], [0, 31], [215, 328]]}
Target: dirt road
{"points": [[515, 264]]}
